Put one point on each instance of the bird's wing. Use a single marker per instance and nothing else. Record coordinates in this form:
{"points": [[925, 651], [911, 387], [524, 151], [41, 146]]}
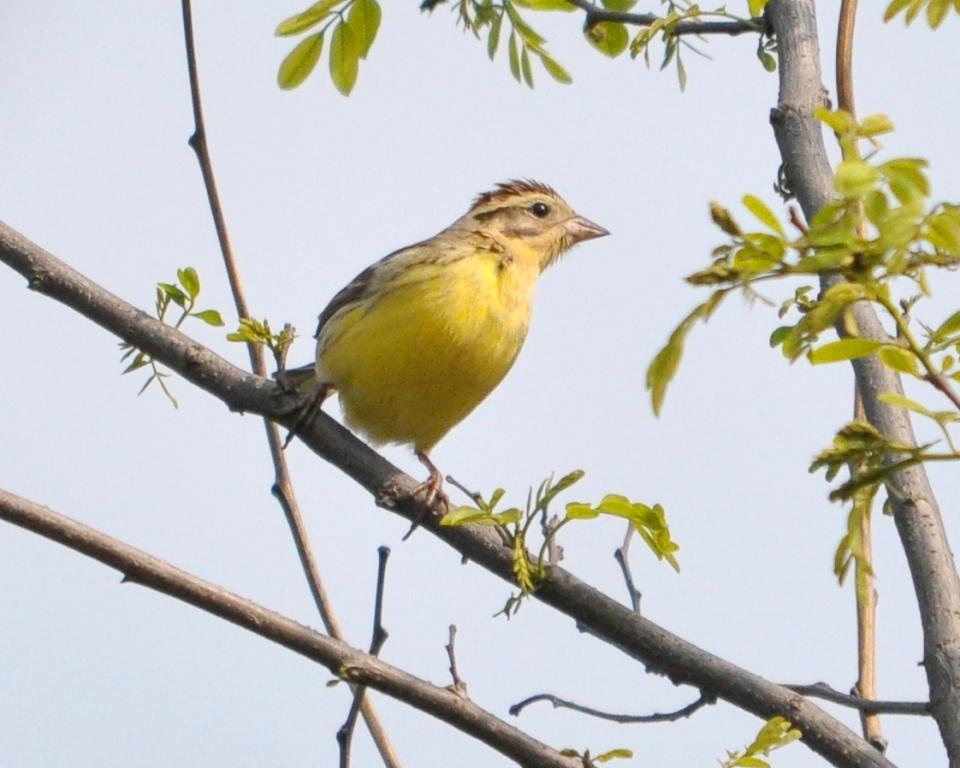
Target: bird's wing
{"points": [[359, 288], [394, 270]]}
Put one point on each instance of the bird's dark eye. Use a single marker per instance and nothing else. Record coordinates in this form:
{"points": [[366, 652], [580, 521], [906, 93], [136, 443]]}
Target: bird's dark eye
{"points": [[540, 210]]}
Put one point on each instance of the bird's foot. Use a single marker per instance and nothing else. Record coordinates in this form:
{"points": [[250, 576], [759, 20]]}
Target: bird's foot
{"points": [[431, 489], [306, 411]]}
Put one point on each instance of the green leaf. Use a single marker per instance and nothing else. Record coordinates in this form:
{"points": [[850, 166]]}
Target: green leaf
{"points": [[299, 63], [900, 360], [665, 364], [464, 515], [176, 295], [514, 56], [943, 232], [895, 7], [779, 334], [845, 349], [493, 38], [364, 20], [948, 327], [139, 361], [840, 120], [344, 58], [609, 37], [937, 12], [525, 68], [579, 511], [530, 36], [302, 21], [855, 177], [906, 172], [210, 317], [613, 753], [758, 208], [722, 218], [875, 125], [681, 74], [190, 281], [621, 6], [508, 517], [555, 71], [555, 489], [893, 398]]}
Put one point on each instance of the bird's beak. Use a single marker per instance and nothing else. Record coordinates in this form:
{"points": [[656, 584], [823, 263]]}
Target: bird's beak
{"points": [[581, 229]]}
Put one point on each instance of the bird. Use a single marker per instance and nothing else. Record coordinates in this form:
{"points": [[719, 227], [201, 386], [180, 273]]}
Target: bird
{"points": [[418, 339]]}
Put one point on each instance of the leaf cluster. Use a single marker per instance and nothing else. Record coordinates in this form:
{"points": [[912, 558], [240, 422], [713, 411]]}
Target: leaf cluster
{"points": [[776, 733], [615, 38], [877, 233], [182, 294], [485, 19], [253, 331], [937, 10], [612, 37], [878, 230], [355, 24], [514, 525]]}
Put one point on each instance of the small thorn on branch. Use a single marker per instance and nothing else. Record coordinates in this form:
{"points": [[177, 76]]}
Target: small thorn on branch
{"points": [[796, 218], [459, 687], [474, 496], [621, 555]]}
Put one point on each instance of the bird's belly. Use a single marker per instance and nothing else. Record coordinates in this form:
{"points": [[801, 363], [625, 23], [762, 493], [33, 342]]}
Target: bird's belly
{"points": [[417, 361]]}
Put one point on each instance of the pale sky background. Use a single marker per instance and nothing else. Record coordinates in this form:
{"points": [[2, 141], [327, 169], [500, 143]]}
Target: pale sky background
{"points": [[94, 166]]}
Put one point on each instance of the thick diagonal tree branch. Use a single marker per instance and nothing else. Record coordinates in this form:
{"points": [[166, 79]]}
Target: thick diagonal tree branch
{"points": [[916, 512], [347, 663], [681, 661]]}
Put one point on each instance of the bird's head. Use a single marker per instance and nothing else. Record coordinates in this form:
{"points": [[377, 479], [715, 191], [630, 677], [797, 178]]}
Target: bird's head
{"points": [[533, 215]]}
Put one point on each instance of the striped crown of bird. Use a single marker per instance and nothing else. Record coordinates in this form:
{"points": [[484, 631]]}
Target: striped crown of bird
{"points": [[418, 339]]}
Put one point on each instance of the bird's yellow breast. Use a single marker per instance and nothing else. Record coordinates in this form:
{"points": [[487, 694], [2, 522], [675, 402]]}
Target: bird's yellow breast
{"points": [[412, 363]]}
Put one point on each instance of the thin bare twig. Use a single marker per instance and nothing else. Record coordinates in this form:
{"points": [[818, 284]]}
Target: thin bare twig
{"points": [[825, 692], [844, 58], [621, 555], [379, 637], [657, 717], [865, 591], [283, 484], [459, 686], [866, 598], [596, 14]]}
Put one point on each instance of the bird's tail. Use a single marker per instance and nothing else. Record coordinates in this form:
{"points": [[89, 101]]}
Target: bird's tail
{"points": [[302, 379]]}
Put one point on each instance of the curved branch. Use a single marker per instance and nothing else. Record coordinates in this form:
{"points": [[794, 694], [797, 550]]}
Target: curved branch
{"points": [[916, 512], [638, 637], [656, 717], [358, 668]]}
